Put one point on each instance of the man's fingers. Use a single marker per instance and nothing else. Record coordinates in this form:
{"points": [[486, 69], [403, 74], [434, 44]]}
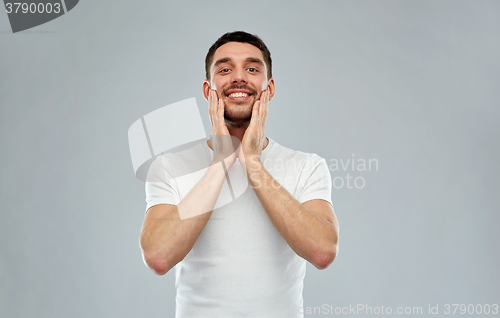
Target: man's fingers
{"points": [[265, 105], [255, 113], [211, 107], [214, 103], [211, 102], [220, 113]]}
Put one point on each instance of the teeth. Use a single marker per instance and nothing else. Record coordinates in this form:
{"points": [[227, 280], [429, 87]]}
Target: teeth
{"points": [[238, 95]]}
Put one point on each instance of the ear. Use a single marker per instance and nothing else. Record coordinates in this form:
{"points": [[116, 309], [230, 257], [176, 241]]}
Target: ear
{"points": [[271, 88], [206, 89]]}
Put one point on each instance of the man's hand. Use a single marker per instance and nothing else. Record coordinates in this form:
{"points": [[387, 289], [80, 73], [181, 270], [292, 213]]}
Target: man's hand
{"points": [[169, 232], [311, 228], [254, 138], [223, 144]]}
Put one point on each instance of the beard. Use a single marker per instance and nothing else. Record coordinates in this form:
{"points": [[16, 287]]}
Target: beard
{"points": [[239, 123], [239, 113]]}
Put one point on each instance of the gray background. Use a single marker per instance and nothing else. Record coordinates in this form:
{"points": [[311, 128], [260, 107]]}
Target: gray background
{"points": [[409, 83]]}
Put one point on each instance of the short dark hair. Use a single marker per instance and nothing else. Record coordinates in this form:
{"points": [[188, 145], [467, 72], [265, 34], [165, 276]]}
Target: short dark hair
{"points": [[243, 37]]}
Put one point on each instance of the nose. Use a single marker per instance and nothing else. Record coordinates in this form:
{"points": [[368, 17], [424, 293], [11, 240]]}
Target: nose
{"points": [[239, 76]]}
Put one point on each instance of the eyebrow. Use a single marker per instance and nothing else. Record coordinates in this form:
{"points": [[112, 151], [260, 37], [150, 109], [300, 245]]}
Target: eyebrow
{"points": [[220, 61], [255, 60], [248, 59]]}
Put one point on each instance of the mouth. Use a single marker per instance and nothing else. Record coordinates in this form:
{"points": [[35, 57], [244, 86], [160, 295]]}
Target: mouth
{"points": [[239, 95]]}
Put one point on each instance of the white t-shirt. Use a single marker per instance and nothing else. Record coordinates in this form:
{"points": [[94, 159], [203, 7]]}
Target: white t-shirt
{"points": [[240, 266]]}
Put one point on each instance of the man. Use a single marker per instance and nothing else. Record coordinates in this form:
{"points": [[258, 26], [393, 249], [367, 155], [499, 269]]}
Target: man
{"points": [[246, 258]]}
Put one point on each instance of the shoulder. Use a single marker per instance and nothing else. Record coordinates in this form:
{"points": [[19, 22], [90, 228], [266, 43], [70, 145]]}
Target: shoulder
{"points": [[186, 161], [278, 151], [197, 151]]}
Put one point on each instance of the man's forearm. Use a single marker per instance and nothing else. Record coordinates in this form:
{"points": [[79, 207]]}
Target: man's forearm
{"points": [[310, 235], [173, 232]]}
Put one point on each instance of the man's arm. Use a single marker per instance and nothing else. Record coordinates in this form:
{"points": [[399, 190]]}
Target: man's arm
{"points": [[310, 229], [169, 232], [166, 238]]}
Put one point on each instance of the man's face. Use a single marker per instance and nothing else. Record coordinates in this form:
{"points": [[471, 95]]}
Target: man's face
{"points": [[239, 76]]}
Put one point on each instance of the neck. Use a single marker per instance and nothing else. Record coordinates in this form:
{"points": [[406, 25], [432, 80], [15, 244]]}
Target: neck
{"points": [[237, 132]]}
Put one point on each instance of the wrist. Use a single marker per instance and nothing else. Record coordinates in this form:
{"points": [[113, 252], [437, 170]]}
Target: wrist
{"points": [[227, 163], [253, 163]]}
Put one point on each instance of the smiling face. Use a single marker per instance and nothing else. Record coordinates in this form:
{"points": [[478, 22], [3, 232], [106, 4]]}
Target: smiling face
{"points": [[239, 75]]}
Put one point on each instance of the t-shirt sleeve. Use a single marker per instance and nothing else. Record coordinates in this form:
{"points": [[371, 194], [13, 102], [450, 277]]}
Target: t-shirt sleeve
{"points": [[161, 187], [315, 181]]}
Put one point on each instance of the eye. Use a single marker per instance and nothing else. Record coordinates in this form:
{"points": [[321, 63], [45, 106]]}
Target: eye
{"points": [[251, 69], [224, 70]]}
